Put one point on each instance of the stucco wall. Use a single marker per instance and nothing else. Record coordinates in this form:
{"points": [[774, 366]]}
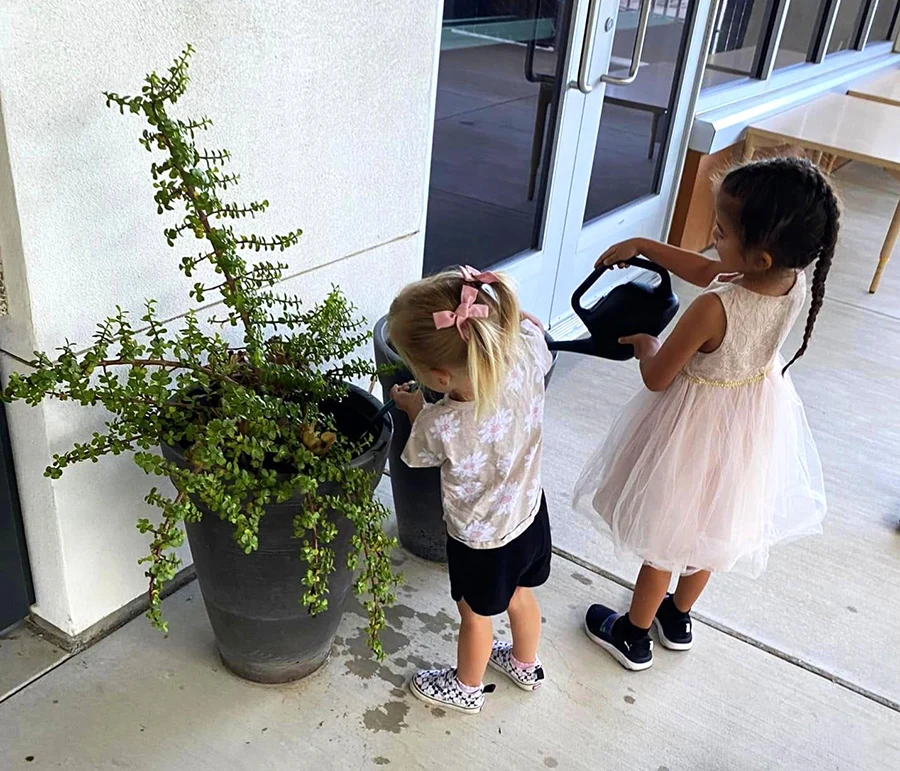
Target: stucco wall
{"points": [[327, 109]]}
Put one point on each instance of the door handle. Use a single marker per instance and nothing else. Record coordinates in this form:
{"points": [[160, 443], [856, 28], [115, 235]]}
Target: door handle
{"points": [[587, 49], [639, 38], [530, 74]]}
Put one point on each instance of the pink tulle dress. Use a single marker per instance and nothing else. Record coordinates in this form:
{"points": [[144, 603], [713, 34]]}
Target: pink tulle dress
{"points": [[713, 471]]}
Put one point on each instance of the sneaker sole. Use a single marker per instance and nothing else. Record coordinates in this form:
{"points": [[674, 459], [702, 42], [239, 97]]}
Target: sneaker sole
{"points": [[421, 696], [666, 642], [518, 683], [627, 663]]}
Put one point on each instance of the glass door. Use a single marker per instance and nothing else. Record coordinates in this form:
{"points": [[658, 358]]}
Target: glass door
{"points": [[557, 130], [636, 76], [493, 197]]}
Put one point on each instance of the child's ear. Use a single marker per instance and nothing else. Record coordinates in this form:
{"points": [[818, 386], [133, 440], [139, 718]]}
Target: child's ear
{"points": [[763, 261], [443, 378]]}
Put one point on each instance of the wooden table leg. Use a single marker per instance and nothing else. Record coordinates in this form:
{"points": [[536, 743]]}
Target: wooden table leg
{"points": [[654, 128], [749, 147], [545, 96], [890, 241]]}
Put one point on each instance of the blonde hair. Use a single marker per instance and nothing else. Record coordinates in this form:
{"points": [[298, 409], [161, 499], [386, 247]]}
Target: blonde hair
{"points": [[491, 344]]}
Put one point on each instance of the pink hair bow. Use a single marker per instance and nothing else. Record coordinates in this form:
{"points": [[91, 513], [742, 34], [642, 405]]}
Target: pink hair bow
{"points": [[468, 309], [470, 274]]}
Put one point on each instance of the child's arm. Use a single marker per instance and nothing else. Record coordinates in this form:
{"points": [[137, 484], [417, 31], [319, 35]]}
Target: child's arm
{"points": [[703, 325], [688, 266]]}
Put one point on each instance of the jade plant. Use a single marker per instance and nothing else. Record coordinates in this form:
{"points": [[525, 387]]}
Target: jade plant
{"points": [[246, 391]]}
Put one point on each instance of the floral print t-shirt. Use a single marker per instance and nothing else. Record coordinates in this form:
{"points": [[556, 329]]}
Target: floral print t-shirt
{"points": [[490, 467]]}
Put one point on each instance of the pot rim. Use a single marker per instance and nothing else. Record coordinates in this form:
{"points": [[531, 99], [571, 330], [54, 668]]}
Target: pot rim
{"points": [[378, 446]]}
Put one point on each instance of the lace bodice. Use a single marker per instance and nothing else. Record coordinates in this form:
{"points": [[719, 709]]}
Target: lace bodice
{"points": [[757, 327]]}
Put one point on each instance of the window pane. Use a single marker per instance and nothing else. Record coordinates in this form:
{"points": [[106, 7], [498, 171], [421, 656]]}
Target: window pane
{"points": [[635, 121], [493, 127], [846, 26], [881, 24], [803, 17], [740, 26]]}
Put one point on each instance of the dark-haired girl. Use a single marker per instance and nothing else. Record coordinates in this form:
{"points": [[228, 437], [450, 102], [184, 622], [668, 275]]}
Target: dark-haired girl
{"points": [[714, 462]]}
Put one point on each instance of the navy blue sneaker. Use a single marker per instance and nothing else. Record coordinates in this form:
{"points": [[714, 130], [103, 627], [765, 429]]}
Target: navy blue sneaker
{"points": [[673, 628], [601, 626]]}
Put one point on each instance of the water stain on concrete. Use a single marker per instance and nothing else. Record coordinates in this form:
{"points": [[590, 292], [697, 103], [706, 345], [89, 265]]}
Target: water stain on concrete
{"points": [[438, 712], [551, 762], [629, 699], [390, 717], [436, 623], [583, 580], [396, 613], [419, 663], [398, 692], [363, 664], [381, 761], [393, 641]]}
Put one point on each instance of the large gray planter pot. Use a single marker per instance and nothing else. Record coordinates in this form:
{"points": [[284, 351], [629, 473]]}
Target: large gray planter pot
{"points": [[262, 630], [417, 491]]}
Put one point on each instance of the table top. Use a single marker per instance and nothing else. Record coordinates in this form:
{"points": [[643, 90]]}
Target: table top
{"points": [[883, 88], [857, 129]]}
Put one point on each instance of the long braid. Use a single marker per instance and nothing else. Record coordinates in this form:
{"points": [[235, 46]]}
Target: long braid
{"points": [[828, 200]]}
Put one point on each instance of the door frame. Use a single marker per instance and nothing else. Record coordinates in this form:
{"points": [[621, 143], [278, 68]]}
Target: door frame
{"points": [[16, 587]]}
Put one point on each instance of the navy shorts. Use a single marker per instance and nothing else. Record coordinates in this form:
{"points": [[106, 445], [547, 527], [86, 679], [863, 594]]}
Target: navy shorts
{"points": [[487, 578]]}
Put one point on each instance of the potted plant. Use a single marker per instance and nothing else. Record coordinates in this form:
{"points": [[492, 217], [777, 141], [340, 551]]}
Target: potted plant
{"points": [[273, 457]]}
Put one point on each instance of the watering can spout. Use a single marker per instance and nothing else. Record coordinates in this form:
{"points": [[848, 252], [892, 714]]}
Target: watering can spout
{"points": [[582, 345]]}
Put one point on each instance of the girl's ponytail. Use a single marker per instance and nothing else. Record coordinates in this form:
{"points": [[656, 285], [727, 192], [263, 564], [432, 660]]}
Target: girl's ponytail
{"points": [[492, 343]]}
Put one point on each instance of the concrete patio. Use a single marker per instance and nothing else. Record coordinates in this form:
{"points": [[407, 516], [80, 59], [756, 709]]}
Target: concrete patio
{"points": [[797, 670]]}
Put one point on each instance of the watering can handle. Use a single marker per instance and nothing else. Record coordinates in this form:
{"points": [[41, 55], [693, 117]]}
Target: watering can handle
{"points": [[637, 262]]}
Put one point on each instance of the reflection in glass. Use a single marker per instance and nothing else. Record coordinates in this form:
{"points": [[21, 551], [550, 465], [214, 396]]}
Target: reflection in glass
{"points": [[494, 123], [850, 17], [882, 24], [800, 26], [634, 123], [735, 44]]}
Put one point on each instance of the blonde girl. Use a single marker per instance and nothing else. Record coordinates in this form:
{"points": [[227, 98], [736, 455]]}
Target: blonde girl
{"points": [[462, 335]]}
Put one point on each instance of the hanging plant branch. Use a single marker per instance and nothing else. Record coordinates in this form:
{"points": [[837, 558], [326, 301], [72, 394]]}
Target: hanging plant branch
{"points": [[250, 419]]}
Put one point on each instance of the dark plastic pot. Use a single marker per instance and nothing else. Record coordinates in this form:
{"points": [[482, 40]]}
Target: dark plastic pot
{"points": [[262, 630], [417, 491]]}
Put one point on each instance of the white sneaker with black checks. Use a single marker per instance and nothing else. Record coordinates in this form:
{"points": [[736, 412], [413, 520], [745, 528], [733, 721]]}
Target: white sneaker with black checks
{"points": [[528, 679], [441, 687]]}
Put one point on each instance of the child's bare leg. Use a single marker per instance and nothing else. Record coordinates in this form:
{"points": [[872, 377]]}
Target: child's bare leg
{"points": [[476, 638], [649, 592], [525, 624], [689, 590]]}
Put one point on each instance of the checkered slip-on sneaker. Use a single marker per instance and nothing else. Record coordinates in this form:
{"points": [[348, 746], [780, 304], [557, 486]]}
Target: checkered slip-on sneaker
{"points": [[441, 688], [527, 679]]}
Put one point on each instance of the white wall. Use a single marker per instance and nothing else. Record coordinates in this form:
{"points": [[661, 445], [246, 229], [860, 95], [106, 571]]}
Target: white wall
{"points": [[327, 108]]}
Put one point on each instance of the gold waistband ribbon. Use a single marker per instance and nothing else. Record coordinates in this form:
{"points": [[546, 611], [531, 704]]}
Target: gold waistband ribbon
{"points": [[757, 378]]}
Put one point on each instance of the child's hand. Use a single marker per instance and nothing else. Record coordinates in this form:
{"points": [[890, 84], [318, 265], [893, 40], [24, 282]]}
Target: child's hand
{"points": [[645, 346], [411, 402], [618, 254]]}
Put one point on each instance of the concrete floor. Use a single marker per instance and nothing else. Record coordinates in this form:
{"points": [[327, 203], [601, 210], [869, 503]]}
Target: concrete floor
{"points": [[796, 670]]}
